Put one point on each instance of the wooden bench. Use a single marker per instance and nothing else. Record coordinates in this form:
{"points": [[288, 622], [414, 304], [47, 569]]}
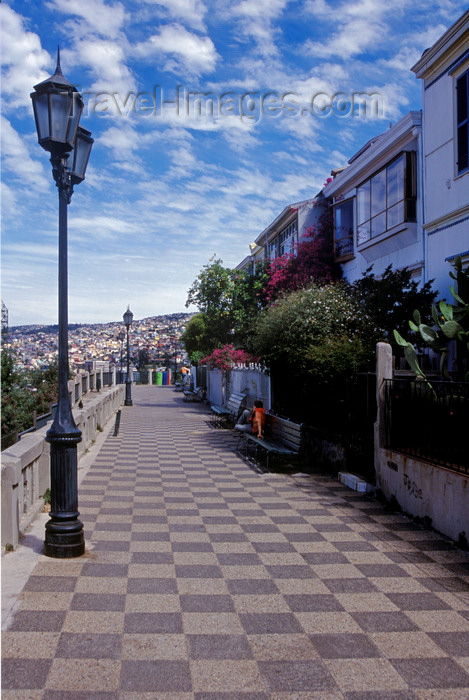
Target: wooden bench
{"points": [[226, 415], [195, 394], [282, 439]]}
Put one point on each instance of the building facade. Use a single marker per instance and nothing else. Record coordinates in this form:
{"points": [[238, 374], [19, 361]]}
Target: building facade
{"points": [[444, 71], [284, 233], [377, 203]]}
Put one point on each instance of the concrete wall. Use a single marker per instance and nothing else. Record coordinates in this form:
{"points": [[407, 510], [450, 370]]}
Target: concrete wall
{"points": [[25, 465], [437, 496], [440, 498]]}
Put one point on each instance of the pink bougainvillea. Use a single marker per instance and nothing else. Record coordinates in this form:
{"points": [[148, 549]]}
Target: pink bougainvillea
{"points": [[227, 356], [312, 260]]}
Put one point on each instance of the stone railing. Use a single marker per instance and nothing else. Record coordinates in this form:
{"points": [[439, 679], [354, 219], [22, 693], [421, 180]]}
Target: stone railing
{"points": [[25, 465]]}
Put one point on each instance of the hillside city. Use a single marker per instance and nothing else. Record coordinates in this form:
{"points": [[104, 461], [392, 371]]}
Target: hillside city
{"points": [[103, 345]]}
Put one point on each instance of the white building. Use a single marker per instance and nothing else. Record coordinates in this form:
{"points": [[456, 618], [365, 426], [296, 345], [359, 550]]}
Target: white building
{"points": [[444, 71], [377, 203], [283, 234]]}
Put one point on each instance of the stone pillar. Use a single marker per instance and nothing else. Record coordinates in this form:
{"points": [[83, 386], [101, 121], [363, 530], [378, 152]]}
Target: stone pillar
{"points": [[384, 370]]}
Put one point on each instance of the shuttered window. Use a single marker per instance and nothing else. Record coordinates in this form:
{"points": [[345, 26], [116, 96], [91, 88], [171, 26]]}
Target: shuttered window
{"points": [[462, 101]]}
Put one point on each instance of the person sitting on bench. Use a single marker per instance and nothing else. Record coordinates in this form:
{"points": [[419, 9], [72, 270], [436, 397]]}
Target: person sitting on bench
{"points": [[252, 421]]}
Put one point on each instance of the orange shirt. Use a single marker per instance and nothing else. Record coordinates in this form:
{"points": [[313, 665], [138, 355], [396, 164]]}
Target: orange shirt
{"points": [[258, 416]]}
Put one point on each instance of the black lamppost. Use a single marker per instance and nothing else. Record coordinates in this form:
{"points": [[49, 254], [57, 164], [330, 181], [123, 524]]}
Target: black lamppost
{"points": [[57, 109], [128, 317], [121, 338]]}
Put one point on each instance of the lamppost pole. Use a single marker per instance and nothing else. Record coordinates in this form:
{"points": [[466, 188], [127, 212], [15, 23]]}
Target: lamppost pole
{"points": [[57, 110], [128, 317]]}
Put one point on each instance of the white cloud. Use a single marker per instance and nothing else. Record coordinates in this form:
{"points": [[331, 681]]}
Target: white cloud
{"points": [[191, 12], [256, 22], [25, 61], [185, 51], [98, 17], [107, 60], [16, 158]]}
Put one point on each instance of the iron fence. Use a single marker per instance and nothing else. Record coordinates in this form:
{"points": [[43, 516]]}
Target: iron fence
{"points": [[428, 421]]}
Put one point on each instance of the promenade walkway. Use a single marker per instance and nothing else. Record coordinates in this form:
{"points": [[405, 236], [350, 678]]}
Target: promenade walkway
{"points": [[206, 580]]}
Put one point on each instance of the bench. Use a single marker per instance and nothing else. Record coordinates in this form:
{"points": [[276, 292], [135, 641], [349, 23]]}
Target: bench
{"points": [[282, 439], [225, 415], [195, 394]]}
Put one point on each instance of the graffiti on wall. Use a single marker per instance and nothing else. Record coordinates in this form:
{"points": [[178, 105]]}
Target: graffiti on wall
{"points": [[412, 488]]}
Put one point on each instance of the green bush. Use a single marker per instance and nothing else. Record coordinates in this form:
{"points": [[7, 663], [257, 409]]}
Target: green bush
{"points": [[318, 321]]}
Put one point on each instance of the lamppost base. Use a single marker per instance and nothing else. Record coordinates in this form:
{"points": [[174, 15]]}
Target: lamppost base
{"points": [[64, 540], [128, 394]]}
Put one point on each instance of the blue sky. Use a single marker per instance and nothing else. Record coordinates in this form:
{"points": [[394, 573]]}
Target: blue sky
{"points": [[209, 117]]}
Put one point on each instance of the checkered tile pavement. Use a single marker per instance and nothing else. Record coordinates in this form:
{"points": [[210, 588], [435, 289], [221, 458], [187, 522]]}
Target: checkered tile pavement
{"points": [[206, 580]]}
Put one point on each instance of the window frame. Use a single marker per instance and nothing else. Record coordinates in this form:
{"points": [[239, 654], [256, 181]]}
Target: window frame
{"points": [[408, 200], [346, 239], [462, 123], [277, 246]]}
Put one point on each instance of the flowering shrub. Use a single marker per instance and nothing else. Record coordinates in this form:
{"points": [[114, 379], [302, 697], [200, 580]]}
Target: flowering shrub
{"points": [[312, 261], [309, 318], [227, 356]]}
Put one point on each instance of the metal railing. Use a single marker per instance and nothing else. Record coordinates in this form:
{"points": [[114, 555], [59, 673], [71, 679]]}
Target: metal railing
{"points": [[428, 421]]}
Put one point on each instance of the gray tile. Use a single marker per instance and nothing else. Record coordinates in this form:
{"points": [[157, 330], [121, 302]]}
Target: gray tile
{"points": [[252, 587], [313, 603], [453, 643], [98, 601], [89, 646], [152, 585], [344, 646], [270, 623], [432, 673], [296, 676], [384, 622], [38, 621], [156, 676], [27, 674], [418, 601], [57, 584], [153, 623]]}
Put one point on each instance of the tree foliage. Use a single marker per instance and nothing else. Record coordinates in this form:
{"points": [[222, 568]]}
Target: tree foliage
{"points": [[310, 318], [24, 392], [228, 302], [389, 300]]}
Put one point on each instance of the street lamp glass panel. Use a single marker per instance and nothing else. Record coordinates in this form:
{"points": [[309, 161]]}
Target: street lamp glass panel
{"points": [[57, 111], [128, 317], [81, 154]]}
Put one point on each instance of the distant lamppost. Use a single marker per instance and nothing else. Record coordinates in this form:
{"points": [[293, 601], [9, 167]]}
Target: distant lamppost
{"points": [[57, 109], [128, 317], [121, 338]]}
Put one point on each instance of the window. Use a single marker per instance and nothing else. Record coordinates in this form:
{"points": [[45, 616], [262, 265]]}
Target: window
{"points": [[387, 199], [343, 229], [462, 118], [283, 242]]}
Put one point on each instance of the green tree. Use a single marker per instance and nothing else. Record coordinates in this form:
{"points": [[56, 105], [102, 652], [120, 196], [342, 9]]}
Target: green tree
{"points": [[197, 337], [228, 301], [389, 300], [294, 327], [315, 340], [17, 399], [249, 298], [212, 290]]}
